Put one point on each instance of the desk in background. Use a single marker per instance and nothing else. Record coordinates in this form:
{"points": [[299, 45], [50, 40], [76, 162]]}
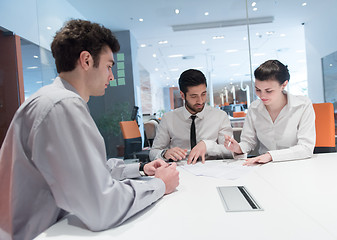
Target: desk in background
{"points": [[299, 199]]}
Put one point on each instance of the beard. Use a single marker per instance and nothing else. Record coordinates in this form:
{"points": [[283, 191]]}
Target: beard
{"points": [[193, 107]]}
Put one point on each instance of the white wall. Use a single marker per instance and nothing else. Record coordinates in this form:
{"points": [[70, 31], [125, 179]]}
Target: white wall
{"points": [[321, 35]]}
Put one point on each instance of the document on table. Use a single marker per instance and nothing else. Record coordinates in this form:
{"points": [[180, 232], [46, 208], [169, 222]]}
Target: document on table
{"points": [[227, 169]]}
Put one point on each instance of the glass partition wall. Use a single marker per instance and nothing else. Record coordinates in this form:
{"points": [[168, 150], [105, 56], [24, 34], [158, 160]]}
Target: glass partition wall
{"points": [[231, 40]]}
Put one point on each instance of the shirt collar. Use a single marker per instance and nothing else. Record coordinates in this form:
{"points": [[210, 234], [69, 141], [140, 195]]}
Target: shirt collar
{"points": [[200, 115], [64, 84]]}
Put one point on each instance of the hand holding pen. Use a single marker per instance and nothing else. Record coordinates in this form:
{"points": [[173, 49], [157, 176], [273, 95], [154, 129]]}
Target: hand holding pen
{"points": [[232, 145]]}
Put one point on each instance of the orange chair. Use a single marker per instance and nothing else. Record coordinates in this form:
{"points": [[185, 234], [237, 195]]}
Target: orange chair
{"points": [[226, 104], [239, 114], [325, 128], [133, 141]]}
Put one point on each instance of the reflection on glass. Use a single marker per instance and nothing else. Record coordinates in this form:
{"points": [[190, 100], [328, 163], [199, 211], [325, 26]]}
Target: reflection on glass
{"points": [[38, 67]]}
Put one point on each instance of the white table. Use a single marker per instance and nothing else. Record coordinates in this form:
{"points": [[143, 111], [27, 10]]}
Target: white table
{"points": [[299, 199]]}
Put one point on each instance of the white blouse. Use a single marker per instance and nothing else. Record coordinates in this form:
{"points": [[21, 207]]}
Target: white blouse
{"points": [[291, 136]]}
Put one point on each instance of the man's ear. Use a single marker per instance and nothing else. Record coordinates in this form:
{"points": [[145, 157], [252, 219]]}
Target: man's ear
{"points": [[85, 60], [182, 95]]}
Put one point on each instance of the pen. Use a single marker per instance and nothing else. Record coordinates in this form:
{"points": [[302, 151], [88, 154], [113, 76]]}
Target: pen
{"points": [[230, 141]]}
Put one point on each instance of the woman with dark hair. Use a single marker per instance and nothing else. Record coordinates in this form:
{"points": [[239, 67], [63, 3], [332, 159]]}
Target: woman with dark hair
{"points": [[283, 124]]}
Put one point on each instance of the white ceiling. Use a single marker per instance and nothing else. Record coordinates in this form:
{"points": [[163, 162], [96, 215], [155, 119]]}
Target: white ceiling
{"points": [[222, 60]]}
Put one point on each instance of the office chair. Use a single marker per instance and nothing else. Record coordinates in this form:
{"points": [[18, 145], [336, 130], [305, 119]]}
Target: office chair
{"points": [[133, 141], [150, 130], [325, 128], [239, 114]]}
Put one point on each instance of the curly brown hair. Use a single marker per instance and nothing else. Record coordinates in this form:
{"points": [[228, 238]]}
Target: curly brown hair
{"points": [[77, 36]]}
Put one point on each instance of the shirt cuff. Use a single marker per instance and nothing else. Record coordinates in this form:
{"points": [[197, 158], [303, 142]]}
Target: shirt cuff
{"points": [[132, 170]]}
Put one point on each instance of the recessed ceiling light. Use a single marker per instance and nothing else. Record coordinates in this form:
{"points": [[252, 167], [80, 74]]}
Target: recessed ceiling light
{"points": [[254, 9], [206, 13], [168, 78], [304, 4], [218, 37], [175, 55], [177, 11], [39, 82], [154, 55], [143, 45], [270, 32], [330, 65], [253, 4], [156, 69], [35, 56], [163, 42], [141, 19], [244, 38], [48, 28], [282, 35], [203, 42]]}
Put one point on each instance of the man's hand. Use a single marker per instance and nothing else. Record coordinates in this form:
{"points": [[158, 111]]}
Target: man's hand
{"points": [[259, 159], [196, 152], [170, 177], [232, 145], [151, 167], [175, 154]]}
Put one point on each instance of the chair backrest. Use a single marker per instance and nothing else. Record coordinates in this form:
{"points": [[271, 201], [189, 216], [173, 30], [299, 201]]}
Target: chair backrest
{"points": [[325, 125], [150, 129], [239, 114], [129, 129]]}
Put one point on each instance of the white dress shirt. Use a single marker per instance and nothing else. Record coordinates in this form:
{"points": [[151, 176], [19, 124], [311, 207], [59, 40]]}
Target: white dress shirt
{"points": [[291, 136], [53, 161], [211, 125]]}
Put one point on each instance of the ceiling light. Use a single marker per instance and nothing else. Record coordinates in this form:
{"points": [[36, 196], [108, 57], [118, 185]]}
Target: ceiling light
{"points": [[203, 42], [304, 4], [177, 11], [282, 35], [175, 55], [244, 38], [33, 67], [168, 78], [254, 9], [156, 69], [141, 19], [330, 65], [154, 55], [206, 13], [35, 56], [48, 28], [163, 42], [38, 82], [231, 50], [218, 37], [221, 24], [253, 4], [270, 33], [143, 45]]}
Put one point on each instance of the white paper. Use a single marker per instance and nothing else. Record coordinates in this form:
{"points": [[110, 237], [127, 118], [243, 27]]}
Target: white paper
{"points": [[227, 169]]}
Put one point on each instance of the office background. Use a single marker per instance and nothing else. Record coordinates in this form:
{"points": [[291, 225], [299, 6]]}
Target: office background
{"points": [[158, 43]]}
